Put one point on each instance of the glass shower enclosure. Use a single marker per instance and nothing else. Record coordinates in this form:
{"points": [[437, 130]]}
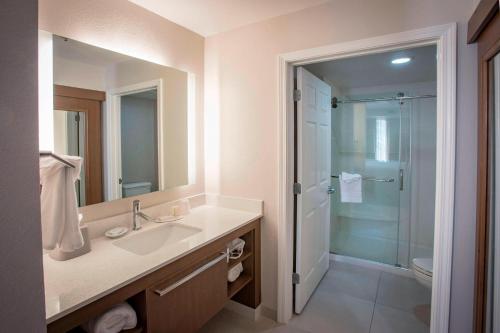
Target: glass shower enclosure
{"points": [[373, 138]]}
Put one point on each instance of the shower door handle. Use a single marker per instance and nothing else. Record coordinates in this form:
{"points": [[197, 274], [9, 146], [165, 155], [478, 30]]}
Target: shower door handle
{"points": [[401, 179], [330, 190]]}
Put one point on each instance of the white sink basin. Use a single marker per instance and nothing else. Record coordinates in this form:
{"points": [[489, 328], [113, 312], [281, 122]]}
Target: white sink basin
{"points": [[146, 242]]}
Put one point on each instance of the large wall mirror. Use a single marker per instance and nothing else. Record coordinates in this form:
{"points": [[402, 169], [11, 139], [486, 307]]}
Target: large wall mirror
{"points": [[127, 118]]}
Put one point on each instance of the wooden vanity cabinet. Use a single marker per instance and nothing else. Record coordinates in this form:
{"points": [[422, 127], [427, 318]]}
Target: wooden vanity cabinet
{"points": [[185, 294], [184, 303]]}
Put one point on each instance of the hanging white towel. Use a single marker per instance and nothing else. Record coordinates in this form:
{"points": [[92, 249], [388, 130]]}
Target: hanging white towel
{"points": [[350, 187], [59, 208], [120, 317]]}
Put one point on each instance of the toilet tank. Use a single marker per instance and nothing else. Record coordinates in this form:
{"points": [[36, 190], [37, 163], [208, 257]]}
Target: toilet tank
{"points": [[131, 189]]}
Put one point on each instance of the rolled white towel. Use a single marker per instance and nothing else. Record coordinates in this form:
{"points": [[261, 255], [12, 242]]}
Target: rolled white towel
{"points": [[234, 272], [120, 317]]}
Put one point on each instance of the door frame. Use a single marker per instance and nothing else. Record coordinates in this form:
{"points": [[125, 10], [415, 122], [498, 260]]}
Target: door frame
{"points": [[445, 38], [113, 153], [88, 101], [483, 29]]}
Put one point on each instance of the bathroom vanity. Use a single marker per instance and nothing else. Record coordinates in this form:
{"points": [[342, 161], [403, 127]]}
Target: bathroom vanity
{"points": [[133, 114], [174, 274]]}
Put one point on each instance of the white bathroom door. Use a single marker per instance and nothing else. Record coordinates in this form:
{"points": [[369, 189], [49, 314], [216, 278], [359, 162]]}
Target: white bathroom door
{"points": [[313, 175]]}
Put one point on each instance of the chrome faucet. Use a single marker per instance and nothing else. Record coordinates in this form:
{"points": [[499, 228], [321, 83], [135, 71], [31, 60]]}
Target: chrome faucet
{"points": [[136, 213], [136, 208]]}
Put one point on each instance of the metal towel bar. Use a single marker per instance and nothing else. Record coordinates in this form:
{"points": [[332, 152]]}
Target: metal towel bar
{"points": [[381, 180], [60, 159], [163, 292]]}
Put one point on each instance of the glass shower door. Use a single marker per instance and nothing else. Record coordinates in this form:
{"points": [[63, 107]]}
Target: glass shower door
{"points": [[367, 139]]}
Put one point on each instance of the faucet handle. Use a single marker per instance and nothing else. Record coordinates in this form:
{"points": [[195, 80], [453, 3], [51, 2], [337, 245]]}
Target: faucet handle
{"points": [[136, 205]]}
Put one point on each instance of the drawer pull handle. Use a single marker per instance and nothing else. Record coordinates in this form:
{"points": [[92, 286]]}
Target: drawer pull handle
{"points": [[163, 292]]}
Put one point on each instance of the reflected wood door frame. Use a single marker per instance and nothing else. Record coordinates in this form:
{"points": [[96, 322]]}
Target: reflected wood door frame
{"points": [[483, 28], [88, 101]]}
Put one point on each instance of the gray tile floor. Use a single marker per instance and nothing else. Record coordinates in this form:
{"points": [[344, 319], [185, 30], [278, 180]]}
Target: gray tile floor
{"points": [[349, 299]]}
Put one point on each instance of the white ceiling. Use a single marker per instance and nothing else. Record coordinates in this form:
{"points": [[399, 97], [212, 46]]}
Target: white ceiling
{"points": [[209, 17], [377, 69], [77, 51]]}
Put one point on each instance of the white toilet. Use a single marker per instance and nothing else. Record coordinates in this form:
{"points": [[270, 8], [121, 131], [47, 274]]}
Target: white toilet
{"points": [[132, 189], [422, 269]]}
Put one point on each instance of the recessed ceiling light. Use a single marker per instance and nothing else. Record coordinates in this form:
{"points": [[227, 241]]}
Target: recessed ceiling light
{"points": [[402, 60]]}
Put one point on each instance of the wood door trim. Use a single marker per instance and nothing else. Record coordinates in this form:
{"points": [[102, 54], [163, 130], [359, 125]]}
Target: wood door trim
{"points": [[74, 92], [485, 11], [488, 46], [93, 135]]}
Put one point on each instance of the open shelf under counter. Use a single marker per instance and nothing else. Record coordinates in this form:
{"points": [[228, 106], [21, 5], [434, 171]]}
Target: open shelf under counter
{"points": [[242, 281], [233, 262]]}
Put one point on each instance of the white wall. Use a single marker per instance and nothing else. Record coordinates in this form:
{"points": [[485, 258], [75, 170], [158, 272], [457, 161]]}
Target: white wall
{"points": [[45, 92], [78, 74], [21, 277], [60, 132], [241, 92]]}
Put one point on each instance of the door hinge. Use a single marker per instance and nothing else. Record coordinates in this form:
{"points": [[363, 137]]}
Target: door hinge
{"points": [[295, 278], [297, 95], [297, 188], [77, 117]]}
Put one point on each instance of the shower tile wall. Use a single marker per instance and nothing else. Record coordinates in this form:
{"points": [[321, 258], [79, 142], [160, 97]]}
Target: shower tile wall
{"points": [[379, 229]]}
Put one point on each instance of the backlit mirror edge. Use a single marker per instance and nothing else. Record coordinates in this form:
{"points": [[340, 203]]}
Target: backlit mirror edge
{"points": [[46, 129]]}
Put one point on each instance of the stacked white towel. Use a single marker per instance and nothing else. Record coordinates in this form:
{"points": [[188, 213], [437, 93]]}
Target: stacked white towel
{"points": [[59, 208], [120, 317], [350, 187]]}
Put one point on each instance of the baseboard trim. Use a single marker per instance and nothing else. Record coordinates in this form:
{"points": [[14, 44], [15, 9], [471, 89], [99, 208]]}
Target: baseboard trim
{"points": [[251, 313], [269, 313], [372, 264], [243, 310]]}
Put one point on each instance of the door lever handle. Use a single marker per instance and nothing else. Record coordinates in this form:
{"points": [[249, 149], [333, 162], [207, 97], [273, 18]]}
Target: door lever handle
{"points": [[330, 190]]}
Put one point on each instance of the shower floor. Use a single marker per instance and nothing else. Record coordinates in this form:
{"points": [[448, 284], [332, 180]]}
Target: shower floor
{"points": [[374, 240]]}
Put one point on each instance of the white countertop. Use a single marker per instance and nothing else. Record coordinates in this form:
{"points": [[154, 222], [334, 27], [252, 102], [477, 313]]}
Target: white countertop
{"points": [[72, 284]]}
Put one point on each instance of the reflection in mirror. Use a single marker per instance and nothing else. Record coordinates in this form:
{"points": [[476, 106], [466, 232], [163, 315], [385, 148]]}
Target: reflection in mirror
{"points": [[127, 118], [69, 139], [139, 148]]}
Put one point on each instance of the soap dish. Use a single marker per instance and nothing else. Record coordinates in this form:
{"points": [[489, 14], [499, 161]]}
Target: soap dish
{"points": [[116, 232], [167, 218]]}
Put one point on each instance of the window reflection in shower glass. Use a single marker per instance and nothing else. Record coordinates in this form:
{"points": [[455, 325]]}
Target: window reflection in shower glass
{"points": [[381, 149]]}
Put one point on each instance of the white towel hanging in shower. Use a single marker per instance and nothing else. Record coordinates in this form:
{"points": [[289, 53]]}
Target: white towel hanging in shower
{"points": [[350, 187]]}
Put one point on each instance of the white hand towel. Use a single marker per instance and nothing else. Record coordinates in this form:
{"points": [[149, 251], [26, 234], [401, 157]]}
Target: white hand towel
{"points": [[59, 208], [120, 317], [350, 187]]}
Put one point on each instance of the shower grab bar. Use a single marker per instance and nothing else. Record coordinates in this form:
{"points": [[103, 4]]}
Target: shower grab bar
{"points": [[380, 180]]}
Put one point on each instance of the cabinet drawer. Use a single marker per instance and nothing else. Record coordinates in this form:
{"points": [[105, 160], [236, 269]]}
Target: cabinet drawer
{"points": [[185, 303]]}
